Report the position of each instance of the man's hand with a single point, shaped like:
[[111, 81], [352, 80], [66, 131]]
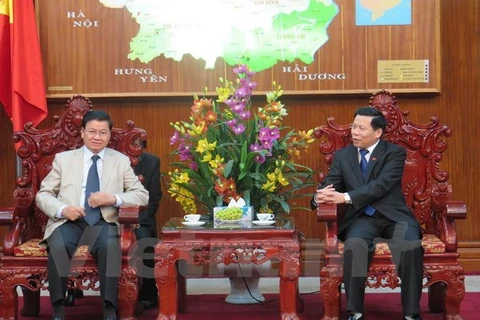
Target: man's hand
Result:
[[329, 195], [100, 199], [73, 213]]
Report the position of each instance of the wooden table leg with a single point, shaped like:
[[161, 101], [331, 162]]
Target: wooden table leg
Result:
[[182, 292], [289, 273], [166, 279]]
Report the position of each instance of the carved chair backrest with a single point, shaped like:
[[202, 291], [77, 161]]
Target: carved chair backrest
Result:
[[424, 184], [37, 151]]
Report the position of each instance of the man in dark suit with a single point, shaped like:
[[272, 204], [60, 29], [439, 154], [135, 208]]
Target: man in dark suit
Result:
[[81, 195], [367, 177], [148, 169]]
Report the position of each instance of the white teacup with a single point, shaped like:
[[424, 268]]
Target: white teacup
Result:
[[265, 216], [191, 217]]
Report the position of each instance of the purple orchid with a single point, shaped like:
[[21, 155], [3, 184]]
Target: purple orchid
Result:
[[241, 92], [274, 133], [244, 115], [259, 159], [239, 129], [174, 138], [255, 147], [238, 107], [240, 69]]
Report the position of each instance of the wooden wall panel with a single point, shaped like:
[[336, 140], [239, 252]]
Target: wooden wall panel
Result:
[[458, 106], [7, 161]]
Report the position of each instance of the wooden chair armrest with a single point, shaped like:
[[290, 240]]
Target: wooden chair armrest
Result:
[[12, 236], [456, 209], [449, 211], [129, 214], [128, 219], [328, 213], [6, 216]]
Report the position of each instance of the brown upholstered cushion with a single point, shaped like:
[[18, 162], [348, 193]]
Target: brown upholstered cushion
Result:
[[32, 248], [430, 242]]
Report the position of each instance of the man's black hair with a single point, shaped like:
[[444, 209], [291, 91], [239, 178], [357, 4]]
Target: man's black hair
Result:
[[142, 143], [378, 119], [98, 115]]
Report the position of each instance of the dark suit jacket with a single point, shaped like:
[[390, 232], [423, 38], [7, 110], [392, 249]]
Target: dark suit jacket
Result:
[[149, 168], [382, 189]]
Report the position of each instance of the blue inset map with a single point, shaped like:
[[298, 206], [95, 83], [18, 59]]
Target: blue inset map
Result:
[[383, 12]]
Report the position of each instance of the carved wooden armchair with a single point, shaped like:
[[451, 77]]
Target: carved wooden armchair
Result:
[[24, 262], [428, 195]]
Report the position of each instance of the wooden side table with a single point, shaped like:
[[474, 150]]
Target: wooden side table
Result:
[[210, 245]]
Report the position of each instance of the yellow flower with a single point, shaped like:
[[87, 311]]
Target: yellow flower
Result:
[[307, 136], [282, 180], [293, 152], [196, 130], [207, 157], [224, 93], [216, 162], [271, 176], [184, 197], [269, 186], [179, 177], [203, 146]]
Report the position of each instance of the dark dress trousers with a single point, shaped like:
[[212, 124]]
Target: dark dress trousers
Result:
[[149, 168], [392, 221]]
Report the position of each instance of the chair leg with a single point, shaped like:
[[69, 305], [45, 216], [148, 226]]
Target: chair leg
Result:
[[127, 294], [454, 289], [8, 296], [454, 294], [31, 303], [330, 282], [436, 297]]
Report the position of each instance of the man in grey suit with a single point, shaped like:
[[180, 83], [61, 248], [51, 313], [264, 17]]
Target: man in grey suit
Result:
[[367, 177], [81, 196]]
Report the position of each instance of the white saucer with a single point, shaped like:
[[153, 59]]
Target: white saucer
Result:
[[193, 224], [263, 223]]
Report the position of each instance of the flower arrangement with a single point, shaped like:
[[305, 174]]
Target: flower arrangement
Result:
[[226, 151]]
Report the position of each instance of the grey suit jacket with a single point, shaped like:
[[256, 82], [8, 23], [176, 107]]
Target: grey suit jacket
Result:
[[63, 186], [382, 188]]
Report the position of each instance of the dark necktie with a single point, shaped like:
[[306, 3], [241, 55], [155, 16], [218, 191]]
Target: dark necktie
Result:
[[369, 210], [93, 185]]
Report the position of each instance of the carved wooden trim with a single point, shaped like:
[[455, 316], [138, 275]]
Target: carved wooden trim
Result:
[[8, 295], [127, 293]]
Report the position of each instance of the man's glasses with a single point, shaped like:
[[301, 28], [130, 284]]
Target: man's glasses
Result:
[[93, 133]]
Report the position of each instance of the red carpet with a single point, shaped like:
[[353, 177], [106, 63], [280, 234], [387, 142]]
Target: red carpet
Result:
[[203, 307]]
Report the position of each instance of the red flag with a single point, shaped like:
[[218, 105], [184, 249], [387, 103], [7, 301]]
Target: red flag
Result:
[[22, 86]]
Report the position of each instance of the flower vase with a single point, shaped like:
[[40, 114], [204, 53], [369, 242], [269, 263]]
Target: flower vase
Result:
[[244, 279]]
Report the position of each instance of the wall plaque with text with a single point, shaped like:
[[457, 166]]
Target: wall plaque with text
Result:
[[403, 71]]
